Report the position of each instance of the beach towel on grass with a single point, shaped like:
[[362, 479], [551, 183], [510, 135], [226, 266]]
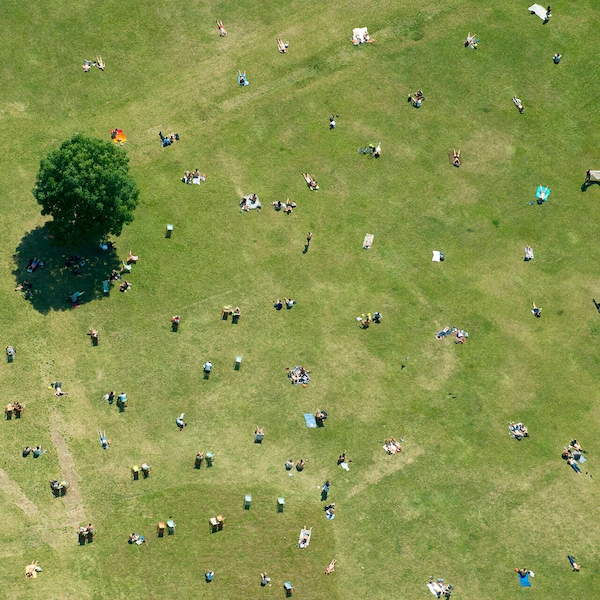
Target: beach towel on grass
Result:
[[432, 589], [304, 533], [437, 256], [368, 241], [582, 459], [524, 580], [311, 422], [540, 11]]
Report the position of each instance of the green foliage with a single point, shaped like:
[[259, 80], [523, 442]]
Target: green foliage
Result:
[[86, 187]]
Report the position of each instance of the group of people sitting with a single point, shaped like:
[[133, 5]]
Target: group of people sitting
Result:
[[439, 588], [573, 454], [15, 407], [287, 206], [366, 320], [36, 452], [528, 254], [289, 464], [518, 430], [196, 177], [310, 181], [459, 334], [250, 202], [59, 487], [392, 446], [416, 99], [135, 538], [278, 304], [88, 64], [282, 46], [169, 139], [298, 375]]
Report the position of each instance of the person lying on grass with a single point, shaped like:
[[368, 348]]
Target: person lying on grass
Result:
[[281, 46], [222, 30], [456, 158], [310, 181]]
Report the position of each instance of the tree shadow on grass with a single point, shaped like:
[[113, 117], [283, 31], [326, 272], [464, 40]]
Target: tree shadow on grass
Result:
[[56, 280]]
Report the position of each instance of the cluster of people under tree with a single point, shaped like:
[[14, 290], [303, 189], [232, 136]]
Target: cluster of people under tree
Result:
[[298, 375], [518, 430], [573, 454], [416, 99], [287, 206], [195, 176], [278, 304], [366, 320], [168, 140], [88, 64]]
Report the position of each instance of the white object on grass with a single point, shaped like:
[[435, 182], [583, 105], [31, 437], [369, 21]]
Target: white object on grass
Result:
[[540, 11]]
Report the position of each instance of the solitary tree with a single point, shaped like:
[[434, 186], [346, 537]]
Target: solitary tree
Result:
[[86, 187]]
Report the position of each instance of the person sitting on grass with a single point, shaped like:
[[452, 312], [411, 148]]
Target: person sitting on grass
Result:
[[556, 58], [278, 205], [289, 464], [37, 452], [187, 177], [289, 303], [209, 575], [300, 464], [281, 46], [310, 181], [456, 158], [222, 30], [94, 336], [518, 104], [416, 99], [264, 580], [26, 451], [537, 312], [320, 417], [277, 304], [518, 431], [377, 316], [198, 177], [125, 286], [575, 445], [289, 206]]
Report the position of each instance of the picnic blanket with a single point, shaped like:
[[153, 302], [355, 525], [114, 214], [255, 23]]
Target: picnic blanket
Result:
[[540, 11], [304, 533], [434, 588], [437, 256], [311, 422], [542, 193], [360, 35], [524, 580], [368, 240]]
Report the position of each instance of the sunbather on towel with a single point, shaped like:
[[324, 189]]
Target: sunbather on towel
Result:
[[281, 46], [469, 40], [100, 63], [528, 253], [222, 30], [310, 181], [456, 158]]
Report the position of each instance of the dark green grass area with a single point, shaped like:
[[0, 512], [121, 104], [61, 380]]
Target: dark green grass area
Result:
[[463, 501]]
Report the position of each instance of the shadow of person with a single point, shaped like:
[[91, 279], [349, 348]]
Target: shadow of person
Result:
[[64, 271]]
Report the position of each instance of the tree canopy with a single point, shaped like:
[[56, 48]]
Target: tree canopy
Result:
[[86, 187]]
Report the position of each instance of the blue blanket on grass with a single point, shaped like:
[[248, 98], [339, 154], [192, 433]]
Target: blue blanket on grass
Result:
[[311, 422]]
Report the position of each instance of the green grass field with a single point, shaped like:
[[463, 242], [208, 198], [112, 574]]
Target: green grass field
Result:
[[463, 501]]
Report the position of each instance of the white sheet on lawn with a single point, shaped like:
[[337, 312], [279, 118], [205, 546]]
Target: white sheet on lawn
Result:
[[432, 589], [540, 11], [595, 175], [436, 256], [358, 33]]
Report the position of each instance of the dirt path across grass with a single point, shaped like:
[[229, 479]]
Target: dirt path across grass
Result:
[[73, 499], [16, 494]]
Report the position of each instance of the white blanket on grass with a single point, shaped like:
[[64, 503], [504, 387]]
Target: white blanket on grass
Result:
[[359, 34], [595, 175], [540, 11]]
